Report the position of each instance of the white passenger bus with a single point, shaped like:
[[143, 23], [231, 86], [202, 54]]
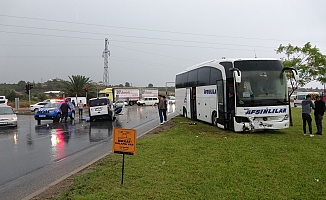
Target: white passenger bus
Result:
[[259, 87]]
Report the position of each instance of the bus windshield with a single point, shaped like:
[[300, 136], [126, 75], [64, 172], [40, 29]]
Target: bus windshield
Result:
[[262, 84]]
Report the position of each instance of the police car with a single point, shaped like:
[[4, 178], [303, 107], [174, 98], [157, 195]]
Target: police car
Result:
[[51, 111]]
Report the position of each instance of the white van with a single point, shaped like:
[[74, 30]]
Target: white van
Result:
[[145, 101], [300, 96], [3, 100], [101, 108]]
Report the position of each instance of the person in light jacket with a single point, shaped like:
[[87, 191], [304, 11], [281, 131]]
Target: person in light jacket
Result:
[[307, 104]]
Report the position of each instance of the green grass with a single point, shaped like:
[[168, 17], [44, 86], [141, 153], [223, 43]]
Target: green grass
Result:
[[218, 164]]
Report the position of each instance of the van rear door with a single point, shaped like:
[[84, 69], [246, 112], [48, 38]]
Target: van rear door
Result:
[[98, 107]]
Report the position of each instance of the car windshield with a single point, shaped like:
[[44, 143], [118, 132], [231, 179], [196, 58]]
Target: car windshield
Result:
[[98, 102], [51, 105], [6, 111]]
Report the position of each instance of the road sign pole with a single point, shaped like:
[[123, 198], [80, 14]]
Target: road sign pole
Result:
[[86, 100], [29, 97], [123, 167]]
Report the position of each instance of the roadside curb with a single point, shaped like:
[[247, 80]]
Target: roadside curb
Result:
[[40, 191]]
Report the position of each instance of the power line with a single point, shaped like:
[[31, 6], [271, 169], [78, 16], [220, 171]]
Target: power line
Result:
[[47, 45], [150, 30], [144, 62], [129, 36], [113, 58], [153, 53], [161, 44], [49, 56], [59, 36]]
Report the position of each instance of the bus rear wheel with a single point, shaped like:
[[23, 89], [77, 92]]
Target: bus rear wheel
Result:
[[214, 118]]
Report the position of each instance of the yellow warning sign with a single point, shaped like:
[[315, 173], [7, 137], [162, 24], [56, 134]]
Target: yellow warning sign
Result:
[[124, 141]]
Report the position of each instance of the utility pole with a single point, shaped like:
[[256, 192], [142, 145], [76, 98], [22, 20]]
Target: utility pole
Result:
[[105, 55], [29, 96]]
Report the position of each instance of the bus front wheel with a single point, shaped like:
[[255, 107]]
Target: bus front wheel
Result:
[[184, 112]]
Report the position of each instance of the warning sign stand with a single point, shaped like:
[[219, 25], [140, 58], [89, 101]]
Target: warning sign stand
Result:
[[124, 142]]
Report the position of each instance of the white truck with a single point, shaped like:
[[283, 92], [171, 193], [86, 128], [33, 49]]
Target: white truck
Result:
[[3, 100], [130, 95], [149, 92]]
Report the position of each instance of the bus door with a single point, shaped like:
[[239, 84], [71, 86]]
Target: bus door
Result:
[[193, 108], [221, 103]]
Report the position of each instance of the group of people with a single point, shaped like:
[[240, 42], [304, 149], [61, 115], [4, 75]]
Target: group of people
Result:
[[319, 107], [80, 106], [65, 109], [162, 108]]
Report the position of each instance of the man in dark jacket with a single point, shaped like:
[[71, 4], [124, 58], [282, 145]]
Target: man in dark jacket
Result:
[[160, 107], [165, 107], [64, 109], [319, 113]]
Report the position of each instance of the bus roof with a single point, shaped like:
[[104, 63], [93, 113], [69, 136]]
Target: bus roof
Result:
[[303, 93], [215, 61]]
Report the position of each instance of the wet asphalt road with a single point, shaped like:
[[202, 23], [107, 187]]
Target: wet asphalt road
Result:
[[32, 156]]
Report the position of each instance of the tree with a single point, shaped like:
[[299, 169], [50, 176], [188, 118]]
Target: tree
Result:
[[150, 85], [120, 85], [41, 96], [11, 95], [127, 84], [309, 63], [21, 85], [307, 60], [76, 85]]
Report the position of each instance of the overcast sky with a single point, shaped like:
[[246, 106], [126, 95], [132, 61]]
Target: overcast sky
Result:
[[150, 41]]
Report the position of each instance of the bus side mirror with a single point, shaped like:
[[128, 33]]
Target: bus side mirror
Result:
[[236, 74], [294, 72], [296, 76]]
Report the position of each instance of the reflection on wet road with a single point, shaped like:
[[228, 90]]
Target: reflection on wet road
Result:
[[31, 150]]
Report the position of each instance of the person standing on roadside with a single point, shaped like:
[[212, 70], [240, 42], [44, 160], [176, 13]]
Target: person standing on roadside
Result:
[[160, 107], [73, 103], [165, 105], [80, 108], [319, 113], [64, 110], [307, 104]]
